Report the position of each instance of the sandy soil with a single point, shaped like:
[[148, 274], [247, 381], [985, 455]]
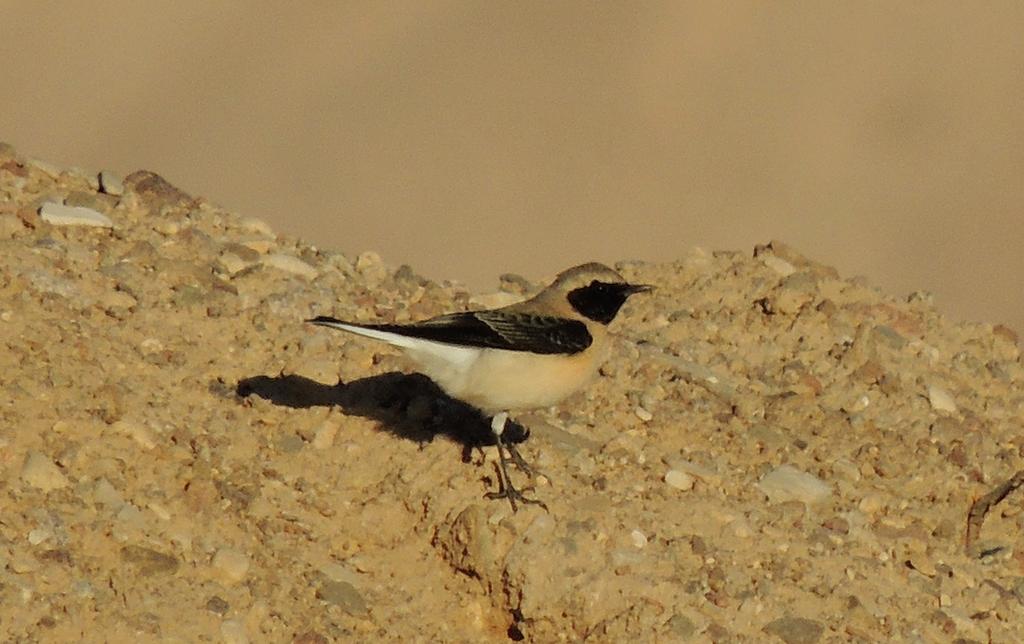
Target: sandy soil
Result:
[[773, 452]]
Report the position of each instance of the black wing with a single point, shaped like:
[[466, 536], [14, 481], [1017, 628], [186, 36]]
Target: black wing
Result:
[[499, 330]]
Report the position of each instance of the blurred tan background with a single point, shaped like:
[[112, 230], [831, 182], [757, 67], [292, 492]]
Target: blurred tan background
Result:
[[470, 139]]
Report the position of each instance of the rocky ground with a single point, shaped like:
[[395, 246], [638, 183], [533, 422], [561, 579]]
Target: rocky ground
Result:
[[773, 451]]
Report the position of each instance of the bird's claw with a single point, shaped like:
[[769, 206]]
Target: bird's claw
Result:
[[513, 495]]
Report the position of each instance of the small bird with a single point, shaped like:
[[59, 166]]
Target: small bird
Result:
[[524, 356]]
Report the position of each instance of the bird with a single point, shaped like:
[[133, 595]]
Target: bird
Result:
[[528, 355]]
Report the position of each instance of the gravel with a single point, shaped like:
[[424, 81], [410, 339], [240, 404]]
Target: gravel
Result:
[[772, 451]]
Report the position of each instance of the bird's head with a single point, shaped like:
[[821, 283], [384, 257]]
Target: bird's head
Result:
[[595, 291]]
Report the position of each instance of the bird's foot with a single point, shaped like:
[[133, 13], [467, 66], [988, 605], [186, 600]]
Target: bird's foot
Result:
[[513, 495], [506, 489]]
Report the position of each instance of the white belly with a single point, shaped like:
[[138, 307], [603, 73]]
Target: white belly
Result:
[[496, 380]]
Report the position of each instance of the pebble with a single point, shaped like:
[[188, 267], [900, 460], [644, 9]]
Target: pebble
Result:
[[290, 444], [116, 300], [679, 480], [141, 434], [779, 265], [130, 519], [921, 562], [159, 510], [37, 536], [371, 266], [90, 200], [40, 472], [233, 632], [337, 572], [167, 227], [786, 483], [290, 264], [343, 595], [218, 605], [111, 183], [643, 414], [230, 565], [698, 472], [256, 226], [23, 562], [261, 246], [740, 528], [681, 626], [232, 263], [46, 167], [148, 561], [795, 630], [638, 539], [872, 503], [941, 400], [104, 493], [323, 438], [622, 558], [60, 215]]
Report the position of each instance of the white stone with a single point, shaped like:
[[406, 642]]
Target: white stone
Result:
[[233, 632], [941, 400], [290, 264], [160, 511], [873, 503], [643, 414], [230, 565], [786, 483], [371, 266], [111, 183], [150, 346], [167, 227], [323, 438], [368, 260], [141, 434], [261, 246], [679, 480], [61, 215], [698, 472], [232, 263], [740, 528], [779, 265], [256, 226], [638, 539], [45, 166], [39, 471], [131, 518], [106, 494]]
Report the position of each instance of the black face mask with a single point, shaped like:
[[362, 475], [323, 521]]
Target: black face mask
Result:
[[601, 301]]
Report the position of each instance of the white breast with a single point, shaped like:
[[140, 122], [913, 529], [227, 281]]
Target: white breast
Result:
[[497, 380]]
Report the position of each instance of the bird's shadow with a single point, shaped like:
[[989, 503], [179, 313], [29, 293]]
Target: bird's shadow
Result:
[[409, 406]]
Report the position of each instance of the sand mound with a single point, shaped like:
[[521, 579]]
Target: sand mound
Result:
[[773, 450]]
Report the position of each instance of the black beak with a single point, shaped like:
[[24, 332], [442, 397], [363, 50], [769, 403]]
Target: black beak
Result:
[[638, 288]]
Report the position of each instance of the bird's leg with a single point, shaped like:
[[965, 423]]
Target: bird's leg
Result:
[[507, 490], [520, 462]]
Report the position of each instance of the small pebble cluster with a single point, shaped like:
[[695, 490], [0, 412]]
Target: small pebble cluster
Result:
[[773, 452]]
